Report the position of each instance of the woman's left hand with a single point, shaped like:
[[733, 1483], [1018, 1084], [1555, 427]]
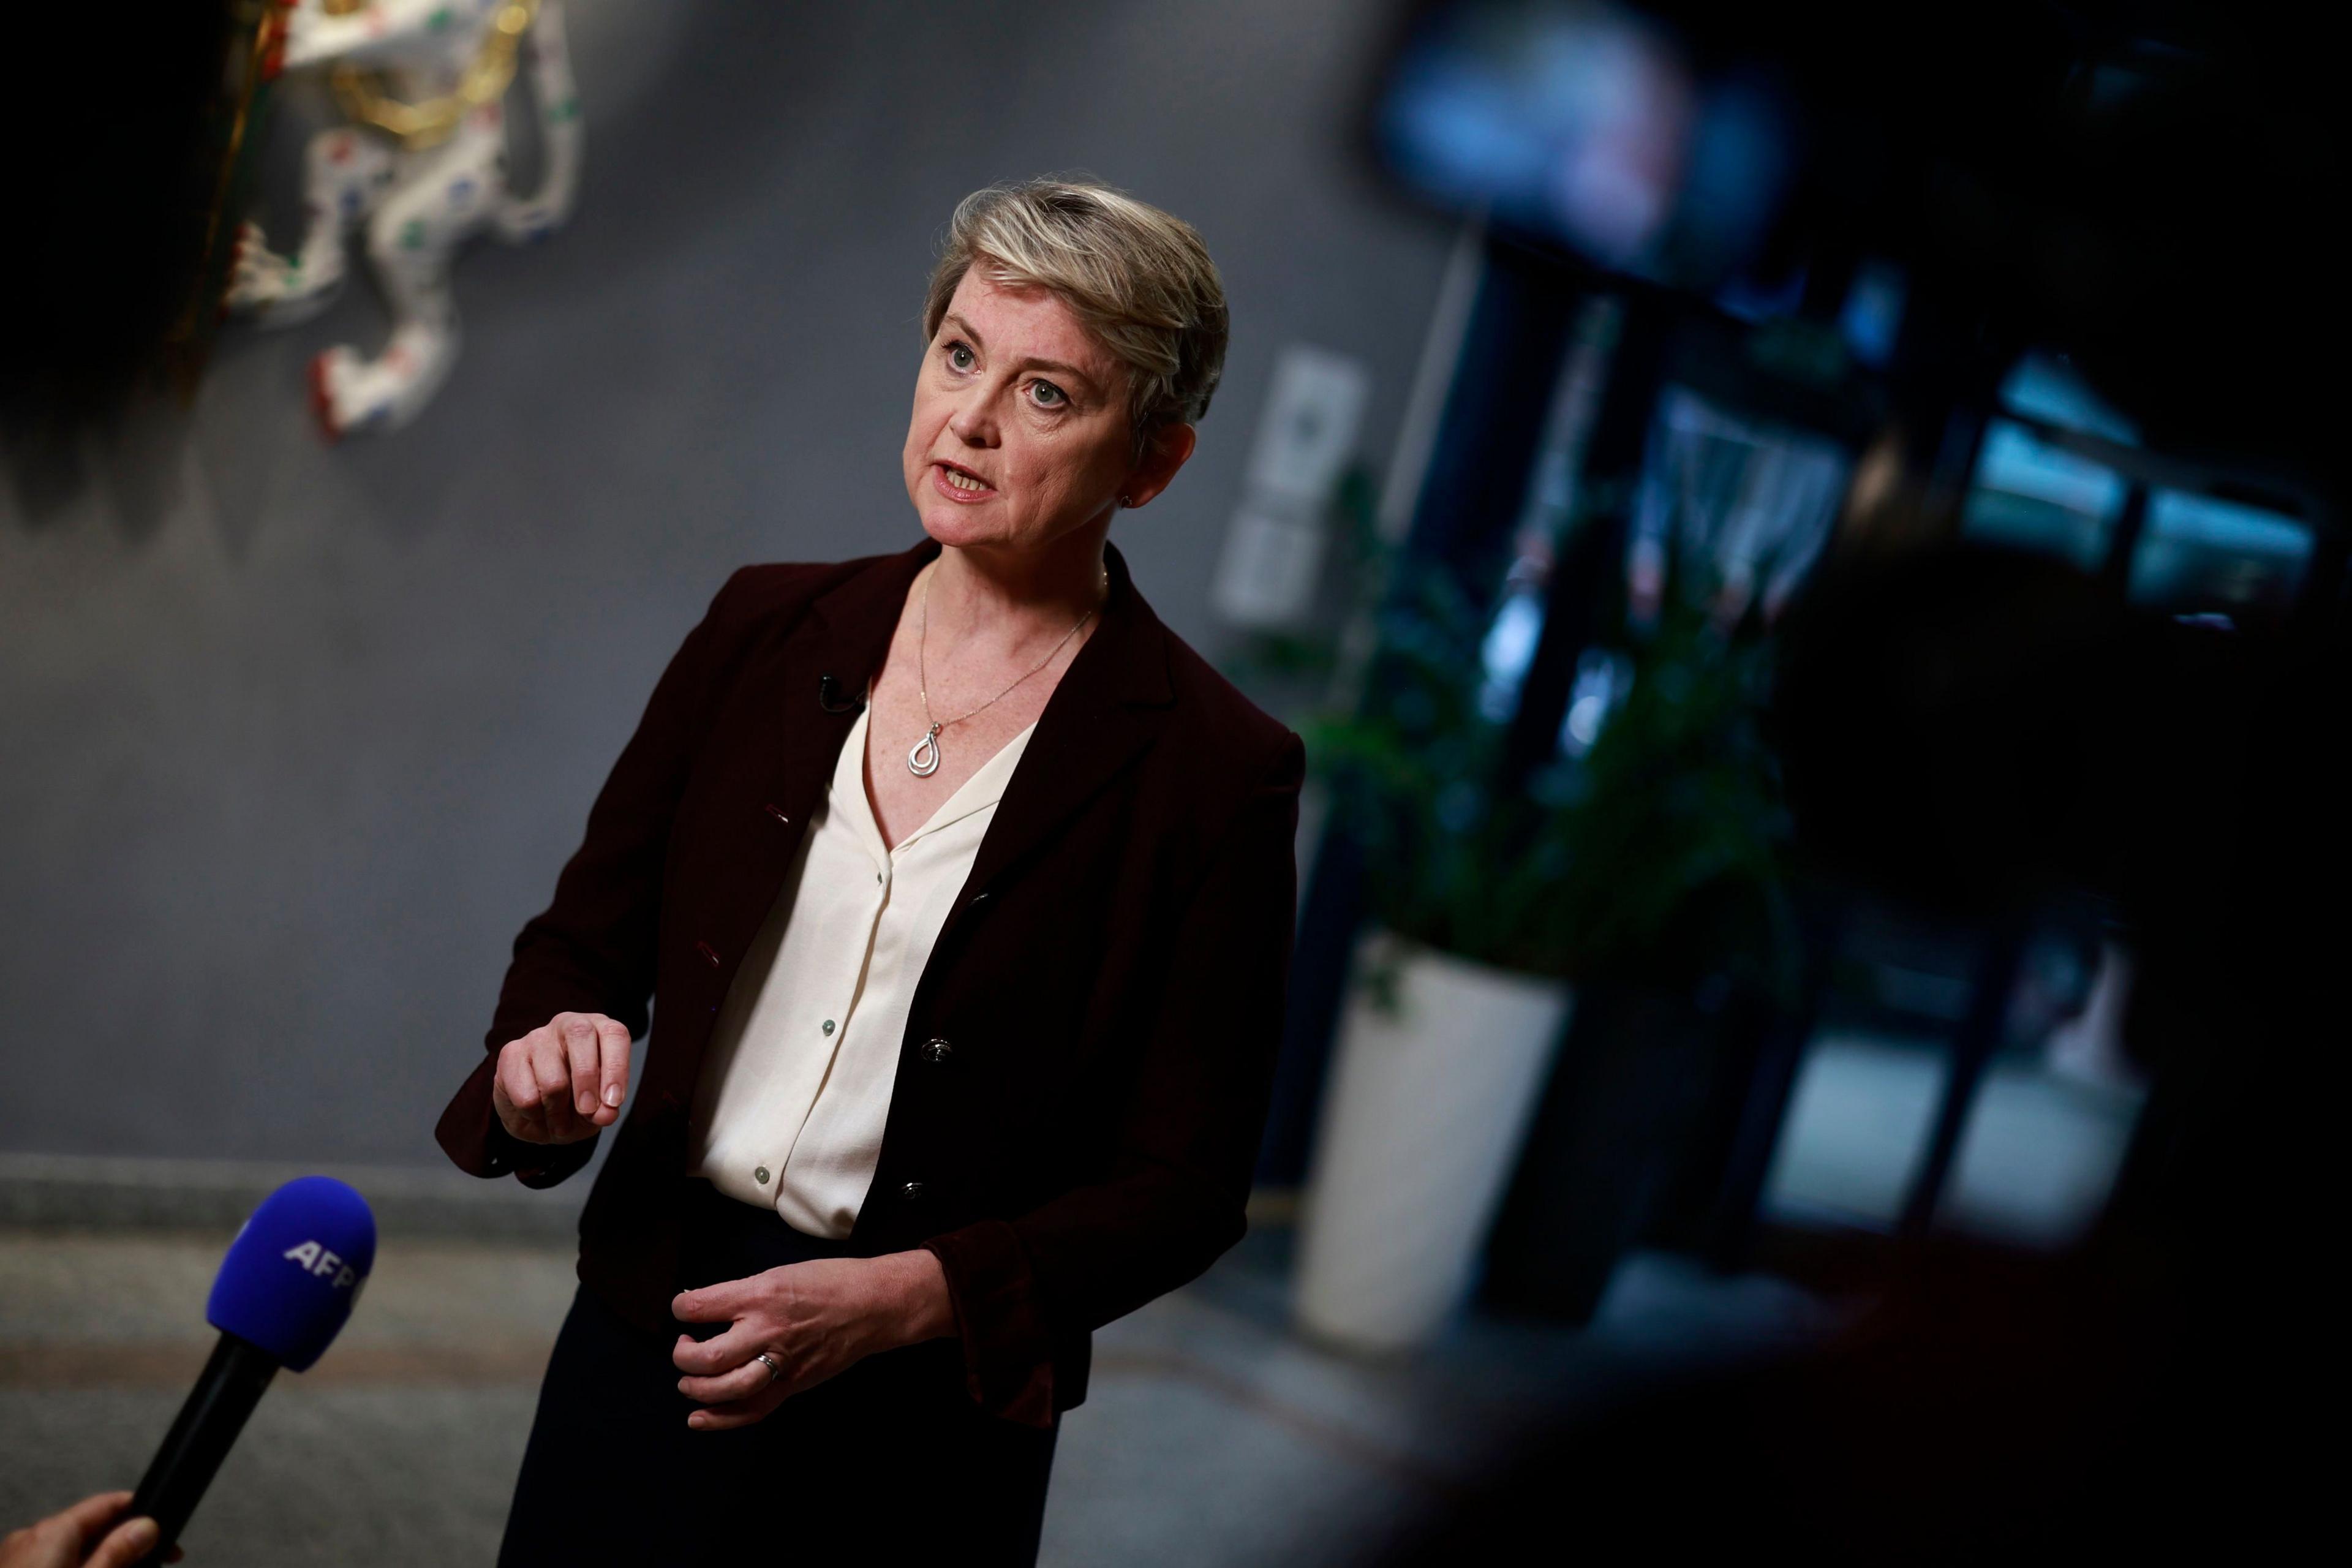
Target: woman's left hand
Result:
[[814, 1319]]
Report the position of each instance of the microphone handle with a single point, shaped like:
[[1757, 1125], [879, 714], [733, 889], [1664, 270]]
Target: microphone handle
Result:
[[215, 1412]]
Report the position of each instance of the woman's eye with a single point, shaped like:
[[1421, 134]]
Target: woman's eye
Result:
[[1047, 395], [959, 356]]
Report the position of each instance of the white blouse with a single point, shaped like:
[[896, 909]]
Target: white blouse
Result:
[[796, 1083]]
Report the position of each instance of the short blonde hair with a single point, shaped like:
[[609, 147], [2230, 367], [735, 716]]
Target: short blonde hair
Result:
[[1139, 278]]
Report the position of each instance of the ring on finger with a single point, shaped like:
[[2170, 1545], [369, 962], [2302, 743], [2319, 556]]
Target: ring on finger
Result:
[[774, 1371]]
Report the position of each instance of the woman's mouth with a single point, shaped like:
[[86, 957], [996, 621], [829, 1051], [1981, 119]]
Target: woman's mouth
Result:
[[958, 484]]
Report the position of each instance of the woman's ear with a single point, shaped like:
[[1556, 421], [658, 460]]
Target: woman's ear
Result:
[[1164, 454]]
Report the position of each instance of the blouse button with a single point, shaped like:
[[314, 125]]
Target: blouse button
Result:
[[761, 1176], [828, 1026]]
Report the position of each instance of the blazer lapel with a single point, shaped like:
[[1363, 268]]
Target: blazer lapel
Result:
[[1106, 709], [826, 663]]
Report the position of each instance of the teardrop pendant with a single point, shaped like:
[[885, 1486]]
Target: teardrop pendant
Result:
[[924, 759]]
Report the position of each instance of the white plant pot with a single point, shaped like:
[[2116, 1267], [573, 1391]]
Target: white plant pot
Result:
[[1421, 1127]]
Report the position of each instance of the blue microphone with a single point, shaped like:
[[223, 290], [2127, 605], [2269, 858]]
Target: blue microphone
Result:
[[282, 1294]]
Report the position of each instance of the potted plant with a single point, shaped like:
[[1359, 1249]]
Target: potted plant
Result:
[[1459, 993], [1650, 862], [1678, 919]]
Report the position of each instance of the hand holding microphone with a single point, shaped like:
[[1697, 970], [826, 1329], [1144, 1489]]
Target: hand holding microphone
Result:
[[93, 1533], [564, 1079]]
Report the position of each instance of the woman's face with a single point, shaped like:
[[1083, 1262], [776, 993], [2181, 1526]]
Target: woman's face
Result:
[[1021, 434]]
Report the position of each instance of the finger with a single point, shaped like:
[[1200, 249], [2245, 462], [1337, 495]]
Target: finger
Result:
[[612, 1039], [87, 1518], [709, 1304], [551, 1068], [520, 1089], [581, 1051], [747, 1381], [130, 1542], [720, 1353], [741, 1412], [516, 1075]]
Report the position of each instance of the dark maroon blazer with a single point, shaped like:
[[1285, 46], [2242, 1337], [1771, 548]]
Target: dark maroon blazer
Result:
[[1086, 1062]]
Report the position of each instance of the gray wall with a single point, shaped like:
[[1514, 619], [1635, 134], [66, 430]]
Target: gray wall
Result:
[[296, 736]]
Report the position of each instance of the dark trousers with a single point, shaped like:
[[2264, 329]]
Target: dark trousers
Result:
[[890, 1460]]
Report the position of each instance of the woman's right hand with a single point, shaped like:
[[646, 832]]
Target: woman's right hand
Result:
[[564, 1079]]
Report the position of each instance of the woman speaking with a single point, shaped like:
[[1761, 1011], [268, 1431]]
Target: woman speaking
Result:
[[966, 890]]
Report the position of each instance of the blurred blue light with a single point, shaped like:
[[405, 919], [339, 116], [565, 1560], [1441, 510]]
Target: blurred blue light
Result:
[[1576, 121], [1603, 680], [1737, 172], [1510, 648], [1454, 130], [2198, 547], [2225, 525], [1872, 314], [2035, 496], [2016, 460], [1751, 301], [2042, 386]]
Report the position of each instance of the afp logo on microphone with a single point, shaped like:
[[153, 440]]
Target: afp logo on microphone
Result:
[[322, 1260], [292, 1273]]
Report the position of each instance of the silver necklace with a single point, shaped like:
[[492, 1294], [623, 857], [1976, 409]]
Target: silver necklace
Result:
[[923, 759]]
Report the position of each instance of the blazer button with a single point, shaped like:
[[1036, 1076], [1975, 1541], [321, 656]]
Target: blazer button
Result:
[[710, 953], [912, 1192], [776, 812], [937, 1052]]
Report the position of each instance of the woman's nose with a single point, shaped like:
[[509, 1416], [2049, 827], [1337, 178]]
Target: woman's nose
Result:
[[974, 422]]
